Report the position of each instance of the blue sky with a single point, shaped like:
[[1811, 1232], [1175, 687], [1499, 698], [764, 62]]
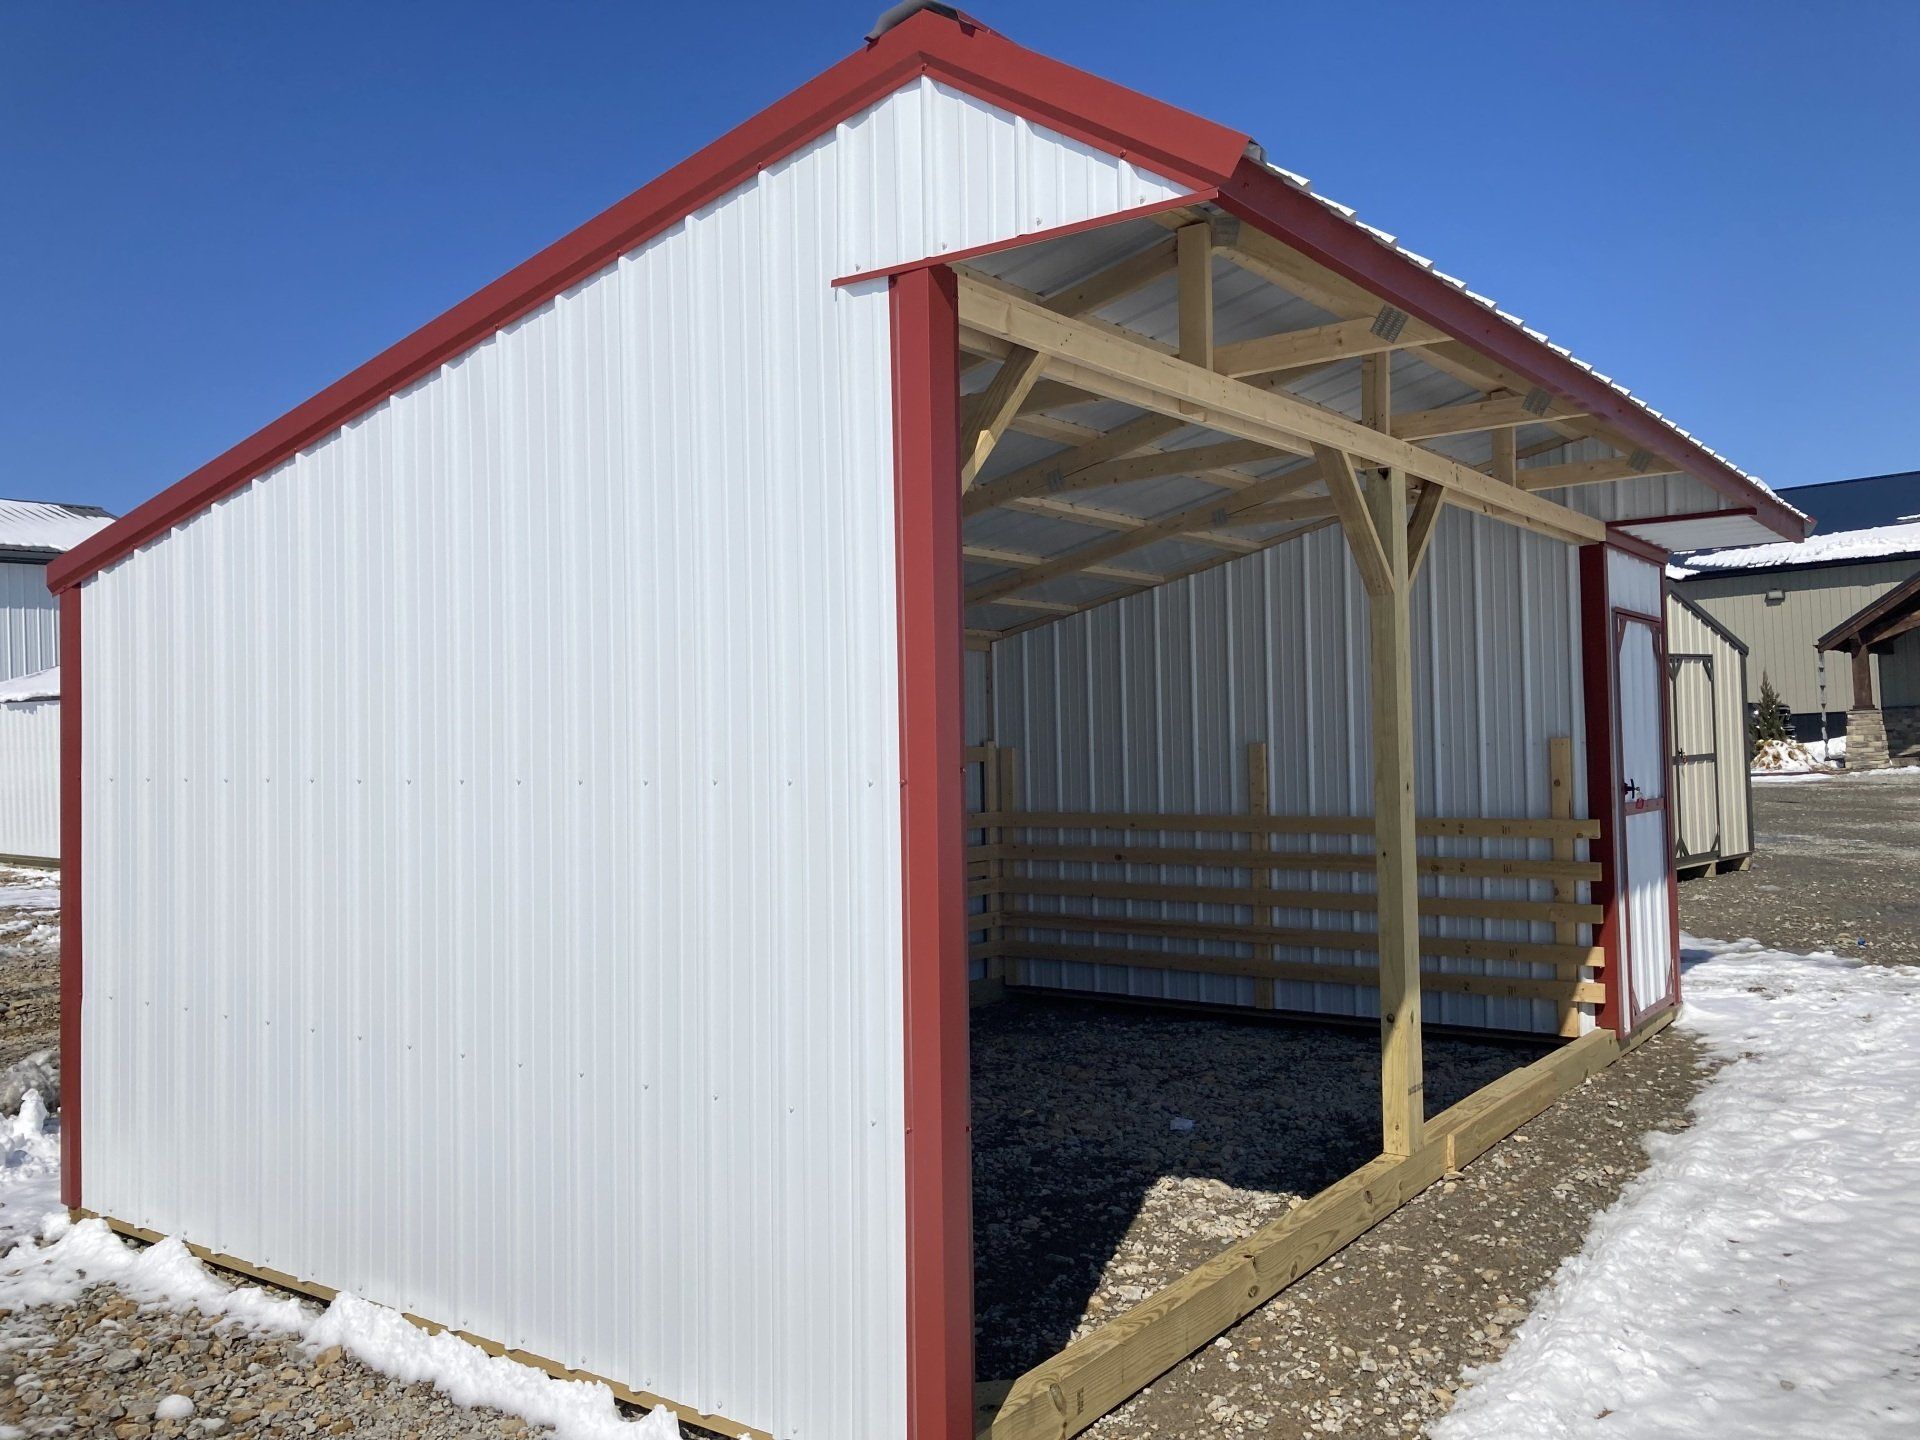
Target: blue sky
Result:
[[210, 211]]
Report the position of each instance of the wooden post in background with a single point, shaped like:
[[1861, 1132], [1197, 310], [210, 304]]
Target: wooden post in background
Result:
[[1402, 1072], [1560, 769], [994, 837], [1007, 788], [1259, 806]]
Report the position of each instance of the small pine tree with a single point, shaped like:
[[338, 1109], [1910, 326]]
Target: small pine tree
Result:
[[1770, 717]]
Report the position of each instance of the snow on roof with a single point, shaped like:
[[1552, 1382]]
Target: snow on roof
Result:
[[39, 685], [45, 525], [1347, 213], [1879, 542]]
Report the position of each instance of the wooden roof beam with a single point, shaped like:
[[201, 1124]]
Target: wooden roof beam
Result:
[[1500, 412], [1317, 346], [1106, 360]]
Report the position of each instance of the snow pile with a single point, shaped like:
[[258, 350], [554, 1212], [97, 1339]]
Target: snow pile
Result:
[[1761, 1277], [74, 1257], [1877, 542], [29, 1169], [1785, 757]]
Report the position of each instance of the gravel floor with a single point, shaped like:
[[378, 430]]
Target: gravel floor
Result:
[[29, 963], [1371, 1344], [1115, 1148]]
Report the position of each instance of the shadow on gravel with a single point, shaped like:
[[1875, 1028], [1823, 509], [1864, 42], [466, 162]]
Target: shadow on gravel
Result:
[[1115, 1148]]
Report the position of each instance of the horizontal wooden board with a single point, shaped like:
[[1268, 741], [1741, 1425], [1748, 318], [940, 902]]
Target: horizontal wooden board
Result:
[[1471, 907], [1520, 828], [1495, 868]]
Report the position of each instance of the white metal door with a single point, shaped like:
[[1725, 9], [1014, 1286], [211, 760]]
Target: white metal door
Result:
[[1649, 962]]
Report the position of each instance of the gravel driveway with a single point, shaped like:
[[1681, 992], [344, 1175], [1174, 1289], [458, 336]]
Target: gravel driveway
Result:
[[1371, 1344]]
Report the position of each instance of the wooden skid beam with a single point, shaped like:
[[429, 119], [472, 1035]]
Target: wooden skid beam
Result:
[[1111, 361], [1066, 1394]]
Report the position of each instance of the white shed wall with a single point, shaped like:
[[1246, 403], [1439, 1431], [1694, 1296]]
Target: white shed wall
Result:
[[29, 620], [30, 780], [492, 815], [1148, 704]]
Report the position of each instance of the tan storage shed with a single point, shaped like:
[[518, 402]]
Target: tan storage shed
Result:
[[1712, 771]]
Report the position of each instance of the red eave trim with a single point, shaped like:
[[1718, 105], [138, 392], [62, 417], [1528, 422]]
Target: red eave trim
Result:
[[1258, 196], [1172, 142], [1637, 545], [1032, 237]]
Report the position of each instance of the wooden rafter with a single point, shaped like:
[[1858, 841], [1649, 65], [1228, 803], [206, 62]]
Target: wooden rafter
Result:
[[1104, 358], [1184, 522], [1350, 504], [1499, 412], [1180, 574], [1319, 345], [1021, 559], [1585, 472], [1115, 282], [1279, 264]]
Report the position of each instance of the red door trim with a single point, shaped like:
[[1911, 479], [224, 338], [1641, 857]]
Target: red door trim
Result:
[[72, 977], [1596, 667], [939, 1140]]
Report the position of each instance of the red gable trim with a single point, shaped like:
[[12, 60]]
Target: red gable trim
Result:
[[1178, 145], [1290, 214]]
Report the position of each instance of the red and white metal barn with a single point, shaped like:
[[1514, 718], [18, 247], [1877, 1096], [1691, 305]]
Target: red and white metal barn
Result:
[[517, 805]]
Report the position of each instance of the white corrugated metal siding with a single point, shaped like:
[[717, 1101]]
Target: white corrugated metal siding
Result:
[[1148, 704], [492, 815], [1713, 801], [29, 621], [30, 779]]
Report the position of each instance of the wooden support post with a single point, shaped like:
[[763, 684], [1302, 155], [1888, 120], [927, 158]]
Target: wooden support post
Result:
[[1862, 677], [1402, 1080], [1506, 455], [1259, 805], [1006, 786], [1376, 392], [994, 837], [1560, 771], [1195, 259]]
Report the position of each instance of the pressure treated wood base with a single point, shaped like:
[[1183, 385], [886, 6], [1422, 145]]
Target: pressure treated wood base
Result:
[[1064, 1395], [279, 1280]]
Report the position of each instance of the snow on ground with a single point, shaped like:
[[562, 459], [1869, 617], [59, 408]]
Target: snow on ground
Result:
[[66, 1259], [1797, 777], [1762, 1276]]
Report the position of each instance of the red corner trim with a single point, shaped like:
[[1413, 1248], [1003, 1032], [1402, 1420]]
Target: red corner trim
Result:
[[939, 1144], [1179, 145], [1288, 213], [72, 979], [1596, 663]]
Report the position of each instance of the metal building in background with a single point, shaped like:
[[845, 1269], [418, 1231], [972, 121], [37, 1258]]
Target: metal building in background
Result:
[[33, 533], [1712, 745], [523, 794]]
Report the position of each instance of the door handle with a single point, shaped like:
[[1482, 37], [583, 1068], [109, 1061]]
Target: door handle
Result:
[[1631, 790]]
